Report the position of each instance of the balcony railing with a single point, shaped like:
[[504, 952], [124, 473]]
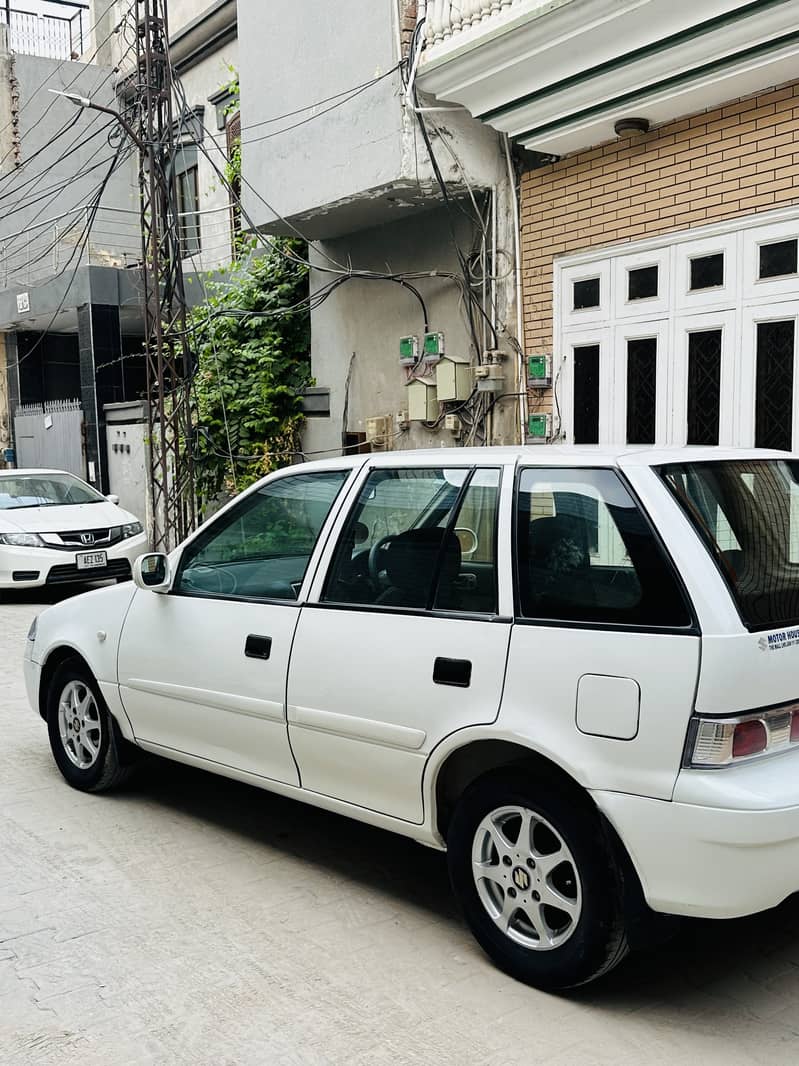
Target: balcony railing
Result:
[[445, 19], [57, 33]]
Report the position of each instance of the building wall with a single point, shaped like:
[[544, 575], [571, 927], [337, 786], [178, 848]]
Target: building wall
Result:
[[48, 185], [734, 160], [356, 331], [201, 82]]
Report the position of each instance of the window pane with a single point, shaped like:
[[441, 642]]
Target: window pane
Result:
[[746, 513], [774, 387], [641, 378], [586, 394], [707, 271], [586, 294], [704, 386], [642, 283], [625, 580], [777, 259], [261, 548], [474, 590], [189, 206], [396, 540]]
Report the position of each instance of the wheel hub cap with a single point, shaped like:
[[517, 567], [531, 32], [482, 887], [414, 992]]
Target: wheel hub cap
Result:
[[79, 724], [526, 878]]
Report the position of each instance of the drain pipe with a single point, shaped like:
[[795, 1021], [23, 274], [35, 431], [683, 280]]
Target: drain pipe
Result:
[[517, 246]]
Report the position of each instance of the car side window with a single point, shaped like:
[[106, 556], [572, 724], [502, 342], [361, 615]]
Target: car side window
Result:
[[421, 539], [261, 548], [586, 553]]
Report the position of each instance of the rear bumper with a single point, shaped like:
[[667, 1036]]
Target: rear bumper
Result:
[[25, 568], [706, 861]]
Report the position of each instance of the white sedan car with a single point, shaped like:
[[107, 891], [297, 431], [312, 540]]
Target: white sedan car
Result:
[[576, 670], [54, 529]]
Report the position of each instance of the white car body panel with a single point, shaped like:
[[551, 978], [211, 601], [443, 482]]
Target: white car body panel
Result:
[[349, 691]]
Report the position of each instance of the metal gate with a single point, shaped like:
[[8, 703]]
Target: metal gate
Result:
[[50, 436]]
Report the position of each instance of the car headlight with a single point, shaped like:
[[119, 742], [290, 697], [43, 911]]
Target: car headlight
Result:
[[33, 628], [22, 540], [132, 529]]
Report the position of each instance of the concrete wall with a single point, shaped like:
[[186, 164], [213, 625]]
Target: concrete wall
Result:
[[48, 185], [293, 53], [366, 319]]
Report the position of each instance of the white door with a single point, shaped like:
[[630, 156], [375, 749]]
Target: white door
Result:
[[408, 637], [604, 656], [203, 669]]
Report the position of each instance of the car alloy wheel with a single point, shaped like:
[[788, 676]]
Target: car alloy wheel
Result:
[[80, 724], [526, 878]]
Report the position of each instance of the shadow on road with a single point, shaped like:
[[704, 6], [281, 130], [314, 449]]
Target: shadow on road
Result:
[[701, 954]]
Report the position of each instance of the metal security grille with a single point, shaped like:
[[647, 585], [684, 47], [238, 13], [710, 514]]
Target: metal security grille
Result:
[[704, 386], [642, 355], [586, 394], [774, 385]]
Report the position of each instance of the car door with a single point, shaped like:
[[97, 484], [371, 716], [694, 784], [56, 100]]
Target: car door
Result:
[[604, 657], [405, 635], [203, 669]]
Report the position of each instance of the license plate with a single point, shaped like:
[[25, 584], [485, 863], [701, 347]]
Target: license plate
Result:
[[90, 560]]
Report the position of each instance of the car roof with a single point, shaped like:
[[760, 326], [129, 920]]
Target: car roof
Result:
[[548, 455], [36, 471]]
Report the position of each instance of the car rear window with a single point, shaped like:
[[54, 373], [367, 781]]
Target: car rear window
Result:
[[747, 514]]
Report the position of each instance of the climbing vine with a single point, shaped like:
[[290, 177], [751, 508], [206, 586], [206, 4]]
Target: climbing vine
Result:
[[252, 342]]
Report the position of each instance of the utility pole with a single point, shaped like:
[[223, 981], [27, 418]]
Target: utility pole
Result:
[[168, 353]]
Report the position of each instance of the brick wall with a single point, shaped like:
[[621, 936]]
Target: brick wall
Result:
[[407, 23], [735, 160]]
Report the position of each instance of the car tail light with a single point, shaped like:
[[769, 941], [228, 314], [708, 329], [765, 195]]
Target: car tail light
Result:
[[714, 742]]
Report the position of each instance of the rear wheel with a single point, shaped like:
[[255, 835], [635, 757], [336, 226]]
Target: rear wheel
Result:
[[84, 737], [537, 880]]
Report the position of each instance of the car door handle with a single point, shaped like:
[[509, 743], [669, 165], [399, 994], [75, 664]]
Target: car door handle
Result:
[[457, 672], [257, 647]]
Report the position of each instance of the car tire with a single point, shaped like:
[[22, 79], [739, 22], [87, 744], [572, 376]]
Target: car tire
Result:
[[84, 736], [536, 878]]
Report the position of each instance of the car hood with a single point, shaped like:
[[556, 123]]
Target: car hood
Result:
[[63, 519]]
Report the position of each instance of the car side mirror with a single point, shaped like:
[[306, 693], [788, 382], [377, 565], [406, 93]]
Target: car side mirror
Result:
[[152, 572], [112, 498]]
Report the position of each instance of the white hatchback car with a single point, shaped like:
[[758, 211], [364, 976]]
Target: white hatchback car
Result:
[[576, 670], [55, 528]]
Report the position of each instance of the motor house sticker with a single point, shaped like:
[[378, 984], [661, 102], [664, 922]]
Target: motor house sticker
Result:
[[786, 638]]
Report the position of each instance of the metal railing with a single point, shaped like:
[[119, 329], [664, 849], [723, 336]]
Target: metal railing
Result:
[[58, 245], [445, 19], [51, 35]]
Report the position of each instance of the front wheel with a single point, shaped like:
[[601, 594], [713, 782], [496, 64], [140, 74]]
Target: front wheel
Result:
[[83, 735], [536, 880]]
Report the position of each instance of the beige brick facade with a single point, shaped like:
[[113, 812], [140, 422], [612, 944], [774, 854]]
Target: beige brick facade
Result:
[[738, 159]]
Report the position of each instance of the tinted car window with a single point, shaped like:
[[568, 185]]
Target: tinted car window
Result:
[[420, 539], [586, 553], [261, 548], [747, 513]]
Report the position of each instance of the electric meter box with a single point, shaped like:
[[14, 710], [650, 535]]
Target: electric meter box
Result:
[[453, 380], [433, 347], [539, 371], [422, 402], [408, 351], [538, 427]]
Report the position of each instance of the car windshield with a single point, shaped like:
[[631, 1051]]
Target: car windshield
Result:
[[747, 513], [44, 490]]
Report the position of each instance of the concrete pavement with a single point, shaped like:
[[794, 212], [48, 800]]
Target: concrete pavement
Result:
[[192, 920]]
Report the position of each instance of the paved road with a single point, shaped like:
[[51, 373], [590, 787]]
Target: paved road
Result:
[[192, 920]]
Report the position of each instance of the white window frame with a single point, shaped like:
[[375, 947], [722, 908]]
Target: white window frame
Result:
[[735, 307]]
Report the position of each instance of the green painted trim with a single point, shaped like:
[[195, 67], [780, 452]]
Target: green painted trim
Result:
[[667, 83], [632, 57]]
